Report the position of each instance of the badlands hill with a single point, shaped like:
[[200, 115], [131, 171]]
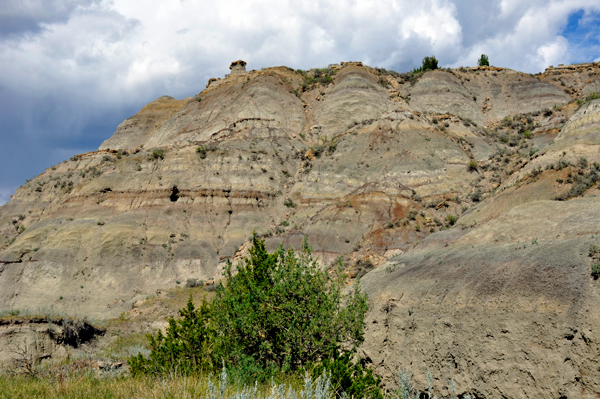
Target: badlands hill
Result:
[[466, 199]]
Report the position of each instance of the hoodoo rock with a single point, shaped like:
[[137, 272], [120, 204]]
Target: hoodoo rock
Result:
[[238, 67]]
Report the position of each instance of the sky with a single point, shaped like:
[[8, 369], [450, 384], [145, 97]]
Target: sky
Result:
[[72, 70]]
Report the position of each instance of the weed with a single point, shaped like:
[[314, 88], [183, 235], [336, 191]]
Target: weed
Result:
[[289, 203], [595, 270], [476, 196], [157, 154]]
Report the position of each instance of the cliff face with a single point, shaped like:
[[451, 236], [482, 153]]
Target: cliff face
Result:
[[370, 166], [505, 304]]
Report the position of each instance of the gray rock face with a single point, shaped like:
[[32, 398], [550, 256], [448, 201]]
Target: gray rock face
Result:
[[136, 130], [484, 95], [506, 304], [507, 310]]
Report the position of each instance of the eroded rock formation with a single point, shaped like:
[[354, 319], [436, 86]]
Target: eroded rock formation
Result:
[[373, 166]]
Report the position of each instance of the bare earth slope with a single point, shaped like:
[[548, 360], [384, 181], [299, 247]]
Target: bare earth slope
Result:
[[505, 304], [371, 165]]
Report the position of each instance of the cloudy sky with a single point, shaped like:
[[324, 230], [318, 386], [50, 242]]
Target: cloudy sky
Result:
[[72, 70]]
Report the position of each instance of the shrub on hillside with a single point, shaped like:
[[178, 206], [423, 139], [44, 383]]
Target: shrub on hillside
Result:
[[353, 379], [451, 219], [596, 270], [429, 64], [201, 151], [157, 154], [186, 347], [483, 60], [276, 312], [281, 310]]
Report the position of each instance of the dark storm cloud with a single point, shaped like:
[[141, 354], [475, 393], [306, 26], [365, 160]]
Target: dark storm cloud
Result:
[[30, 16]]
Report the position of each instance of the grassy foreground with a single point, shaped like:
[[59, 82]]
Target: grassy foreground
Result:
[[89, 385], [79, 380]]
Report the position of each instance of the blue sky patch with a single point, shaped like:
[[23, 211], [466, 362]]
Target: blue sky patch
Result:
[[583, 33]]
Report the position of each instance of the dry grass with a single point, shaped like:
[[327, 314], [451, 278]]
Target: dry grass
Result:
[[87, 385], [72, 381]]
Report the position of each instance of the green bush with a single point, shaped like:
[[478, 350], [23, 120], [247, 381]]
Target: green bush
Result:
[[349, 377], [472, 166], [429, 64], [483, 60], [158, 154], [282, 311], [201, 151], [278, 312], [451, 219], [185, 349], [289, 203]]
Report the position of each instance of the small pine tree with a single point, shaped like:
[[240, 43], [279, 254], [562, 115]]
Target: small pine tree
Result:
[[483, 60], [186, 348], [429, 64]]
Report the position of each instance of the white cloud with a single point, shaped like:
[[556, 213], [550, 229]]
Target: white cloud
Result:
[[553, 53]]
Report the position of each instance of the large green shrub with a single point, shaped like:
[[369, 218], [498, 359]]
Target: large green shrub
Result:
[[281, 310], [275, 312]]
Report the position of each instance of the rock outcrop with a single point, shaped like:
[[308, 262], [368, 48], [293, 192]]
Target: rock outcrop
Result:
[[370, 165], [27, 342], [136, 131]]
